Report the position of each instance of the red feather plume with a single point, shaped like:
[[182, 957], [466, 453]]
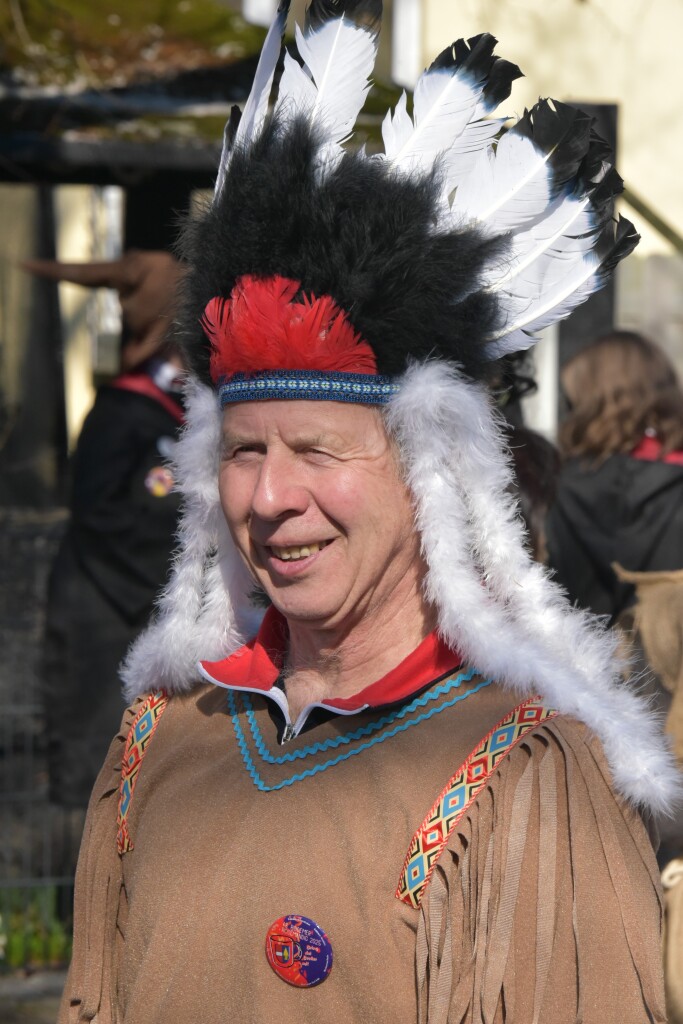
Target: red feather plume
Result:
[[260, 327]]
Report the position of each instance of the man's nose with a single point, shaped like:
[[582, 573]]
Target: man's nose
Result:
[[279, 489]]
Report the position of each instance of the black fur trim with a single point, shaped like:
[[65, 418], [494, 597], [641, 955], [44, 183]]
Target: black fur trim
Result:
[[364, 236]]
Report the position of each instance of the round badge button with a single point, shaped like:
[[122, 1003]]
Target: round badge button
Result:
[[299, 951], [159, 481]]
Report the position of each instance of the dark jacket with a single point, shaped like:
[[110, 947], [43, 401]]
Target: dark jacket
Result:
[[624, 510], [112, 562], [122, 523]]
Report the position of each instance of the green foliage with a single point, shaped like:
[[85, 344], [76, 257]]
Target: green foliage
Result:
[[57, 42], [31, 934], [79, 45]]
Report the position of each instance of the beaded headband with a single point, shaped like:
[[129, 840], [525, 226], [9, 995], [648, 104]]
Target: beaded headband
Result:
[[368, 389]]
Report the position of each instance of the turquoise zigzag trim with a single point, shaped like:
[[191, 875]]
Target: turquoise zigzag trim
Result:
[[261, 785], [366, 730]]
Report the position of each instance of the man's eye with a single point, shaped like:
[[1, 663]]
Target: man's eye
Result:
[[323, 460], [243, 451]]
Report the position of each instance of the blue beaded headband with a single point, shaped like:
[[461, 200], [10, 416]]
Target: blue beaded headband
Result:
[[365, 388]]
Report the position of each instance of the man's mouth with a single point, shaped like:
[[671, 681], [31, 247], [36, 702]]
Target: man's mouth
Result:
[[295, 552]]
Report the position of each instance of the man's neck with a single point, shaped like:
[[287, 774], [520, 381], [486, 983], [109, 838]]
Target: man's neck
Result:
[[323, 663]]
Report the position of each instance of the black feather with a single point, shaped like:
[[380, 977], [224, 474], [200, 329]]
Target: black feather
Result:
[[499, 85], [366, 13], [477, 57], [231, 126], [617, 241], [563, 132], [598, 155], [364, 236]]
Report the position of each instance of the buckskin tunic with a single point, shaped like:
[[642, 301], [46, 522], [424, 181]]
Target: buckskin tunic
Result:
[[222, 829]]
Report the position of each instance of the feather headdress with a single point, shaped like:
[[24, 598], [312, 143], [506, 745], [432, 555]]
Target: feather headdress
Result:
[[399, 276]]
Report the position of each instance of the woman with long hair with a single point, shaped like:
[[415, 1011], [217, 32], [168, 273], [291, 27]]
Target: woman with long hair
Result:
[[620, 494]]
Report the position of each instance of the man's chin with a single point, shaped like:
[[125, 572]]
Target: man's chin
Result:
[[304, 614], [305, 611]]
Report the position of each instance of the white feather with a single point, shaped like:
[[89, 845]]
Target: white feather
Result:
[[296, 92], [256, 107], [533, 308], [397, 126], [459, 161], [508, 188], [444, 102], [340, 56], [543, 262], [567, 231], [516, 341], [331, 87]]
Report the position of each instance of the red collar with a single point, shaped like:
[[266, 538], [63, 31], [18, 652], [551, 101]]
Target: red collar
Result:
[[649, 449], [142, 384], [257, 665]]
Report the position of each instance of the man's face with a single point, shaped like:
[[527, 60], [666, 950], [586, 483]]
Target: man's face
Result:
[[313, 497]]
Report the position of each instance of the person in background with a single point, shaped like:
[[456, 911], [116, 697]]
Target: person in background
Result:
[[652, 628], [147, 283], [123, 513], [616, 542], [620, 492]]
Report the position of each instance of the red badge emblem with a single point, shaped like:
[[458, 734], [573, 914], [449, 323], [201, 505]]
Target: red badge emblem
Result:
[[299, 951], [283, 950]]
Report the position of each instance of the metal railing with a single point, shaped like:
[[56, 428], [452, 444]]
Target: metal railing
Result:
[[665, 229], [38, 840]]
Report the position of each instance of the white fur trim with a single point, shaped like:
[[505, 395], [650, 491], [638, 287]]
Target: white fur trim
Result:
[[494, 603], [204, 611]]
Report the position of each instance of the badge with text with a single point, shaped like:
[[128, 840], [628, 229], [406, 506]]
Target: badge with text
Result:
[[299, 951]]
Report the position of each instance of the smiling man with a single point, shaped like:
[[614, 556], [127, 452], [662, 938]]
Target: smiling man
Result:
[[326, 525], [415, 789]]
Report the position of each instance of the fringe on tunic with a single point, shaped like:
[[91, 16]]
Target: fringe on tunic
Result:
[[545, 906]]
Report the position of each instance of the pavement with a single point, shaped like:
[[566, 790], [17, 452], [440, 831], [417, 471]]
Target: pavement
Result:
[[31, 998]]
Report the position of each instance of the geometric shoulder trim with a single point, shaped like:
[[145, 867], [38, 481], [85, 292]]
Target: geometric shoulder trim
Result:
[[429, 841], [137, 741]]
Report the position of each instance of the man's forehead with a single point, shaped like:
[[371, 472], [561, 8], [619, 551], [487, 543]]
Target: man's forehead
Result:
[[312, 421]]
